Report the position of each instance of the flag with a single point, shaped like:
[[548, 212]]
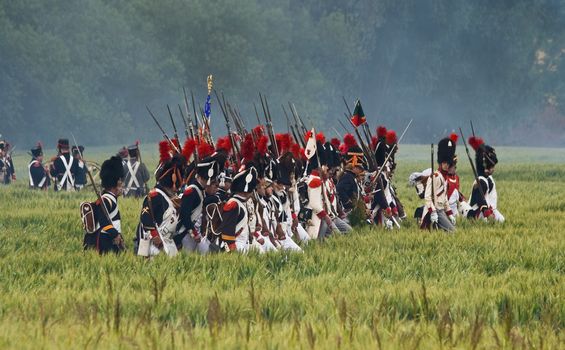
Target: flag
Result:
[[207, 107], [358, 117], [310, 150]]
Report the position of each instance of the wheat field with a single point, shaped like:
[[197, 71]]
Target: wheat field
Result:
[[485, 287]]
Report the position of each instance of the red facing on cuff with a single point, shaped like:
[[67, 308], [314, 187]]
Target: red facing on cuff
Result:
[[294, 216], [154, 233], [449, 213], [322, 214]]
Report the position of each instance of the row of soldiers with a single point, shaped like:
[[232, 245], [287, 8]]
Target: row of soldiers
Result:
[[67, 171], [7, 170], [265, 192]]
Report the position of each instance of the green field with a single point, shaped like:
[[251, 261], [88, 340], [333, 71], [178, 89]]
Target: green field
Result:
[[487, 286]]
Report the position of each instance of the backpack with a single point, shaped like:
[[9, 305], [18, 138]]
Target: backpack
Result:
[[87, 217]]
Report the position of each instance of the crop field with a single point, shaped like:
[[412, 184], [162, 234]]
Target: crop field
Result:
[[485, 287]]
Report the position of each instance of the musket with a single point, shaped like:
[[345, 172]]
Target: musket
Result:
[[98, 195], [163, 131], [270, 128], [186, 127], [173, 122], [472, 128], [296, 130], [297, 117], [289, 126], [337, 133], [390, 153], [432, 184], [193, 132], [269, 125], [238, 124], [194, 109], [477, 181], [230, 134], [257, 114], [343, 126]]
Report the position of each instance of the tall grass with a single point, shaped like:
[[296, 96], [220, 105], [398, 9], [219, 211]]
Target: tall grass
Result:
[[487, 286]]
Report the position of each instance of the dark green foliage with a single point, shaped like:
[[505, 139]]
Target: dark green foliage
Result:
[[83, 66]]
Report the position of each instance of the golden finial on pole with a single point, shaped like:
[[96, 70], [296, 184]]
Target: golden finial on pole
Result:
[[210, 84]]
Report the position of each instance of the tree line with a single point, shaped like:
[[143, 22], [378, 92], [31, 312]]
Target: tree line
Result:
[[91, 66]]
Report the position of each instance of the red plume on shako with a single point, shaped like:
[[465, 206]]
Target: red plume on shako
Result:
[[349, 141]]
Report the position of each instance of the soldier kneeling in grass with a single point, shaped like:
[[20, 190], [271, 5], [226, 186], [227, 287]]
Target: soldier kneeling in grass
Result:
[[159, 214], [437, 213]]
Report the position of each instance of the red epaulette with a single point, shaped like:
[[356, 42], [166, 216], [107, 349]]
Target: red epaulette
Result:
[[315, 182], [153, 193], [230, 205], [188, 191]]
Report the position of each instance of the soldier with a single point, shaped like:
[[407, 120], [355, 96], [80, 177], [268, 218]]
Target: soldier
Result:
[[437, 212], [7, 170], [136, 172], [234, 229], [419, 180], [80, 175], [484, 199], [349, 190], [159, 214], [64, 167], [38, 173], [213, 206], [383, 207], [108, 237], [281, 174], [319, 222], [456, 199], [264, 238], [331, 164], [190, 220]]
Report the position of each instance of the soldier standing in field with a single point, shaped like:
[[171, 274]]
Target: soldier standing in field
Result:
[[64, 167], [7, 170], [38, 173], [136, 174], [80, 175]]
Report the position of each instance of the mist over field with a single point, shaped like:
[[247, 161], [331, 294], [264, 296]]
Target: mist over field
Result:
[[90, 67]]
